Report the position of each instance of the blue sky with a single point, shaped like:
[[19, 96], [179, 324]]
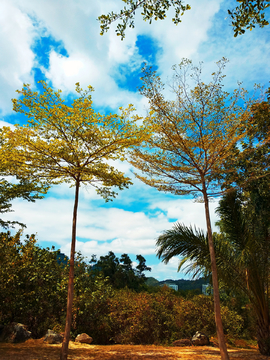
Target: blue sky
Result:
[[58, 41]]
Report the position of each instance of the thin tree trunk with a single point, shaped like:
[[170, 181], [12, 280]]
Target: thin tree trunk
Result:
[[219, 326], [64, 350]]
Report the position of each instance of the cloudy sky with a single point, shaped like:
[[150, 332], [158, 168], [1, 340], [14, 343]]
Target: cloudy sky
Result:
[[59, 41]]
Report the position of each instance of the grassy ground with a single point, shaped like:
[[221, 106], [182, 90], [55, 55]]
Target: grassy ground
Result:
[[37, 350]]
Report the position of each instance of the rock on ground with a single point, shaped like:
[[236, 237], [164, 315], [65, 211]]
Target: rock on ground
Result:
[[200, 339], [15, 333], [84, 339], [53, 338]]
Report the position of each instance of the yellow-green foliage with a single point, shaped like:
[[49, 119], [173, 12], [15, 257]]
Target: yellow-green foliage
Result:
[[32, 282], [143, 318], [69, 143]]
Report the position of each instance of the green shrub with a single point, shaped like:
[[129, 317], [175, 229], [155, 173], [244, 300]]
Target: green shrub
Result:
[[162, 317], [90, 308], [193, 315], [31, 284], [141, 318]]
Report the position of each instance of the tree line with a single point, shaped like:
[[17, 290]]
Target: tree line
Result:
[[34, 282]]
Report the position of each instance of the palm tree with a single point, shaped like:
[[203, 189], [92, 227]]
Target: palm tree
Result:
[[242, 251]]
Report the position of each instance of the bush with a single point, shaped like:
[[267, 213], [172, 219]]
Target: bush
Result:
[[162, 317], [31, 284], [194, 315], [141, 318], [197, 314], [90, 308]]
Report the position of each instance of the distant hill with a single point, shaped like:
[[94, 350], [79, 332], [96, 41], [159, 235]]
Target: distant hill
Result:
[[152, 281], [182, 283]]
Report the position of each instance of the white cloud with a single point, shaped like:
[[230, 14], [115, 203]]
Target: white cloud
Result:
[[93, 59], [184, 39], [7, 124], [188, 212], [161, 271], [64, 72], [17, 58]]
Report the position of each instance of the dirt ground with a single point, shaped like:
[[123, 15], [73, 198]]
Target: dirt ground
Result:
[[37, 350]]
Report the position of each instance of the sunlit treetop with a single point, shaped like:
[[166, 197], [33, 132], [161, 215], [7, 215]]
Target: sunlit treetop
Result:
[[192, 134], [71, 143]]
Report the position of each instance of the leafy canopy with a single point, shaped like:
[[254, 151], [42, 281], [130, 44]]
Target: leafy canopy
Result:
[[120, 272], [71, 143], [244, 16], [151, 9], [248, 14], [250, 161], [193, 134]]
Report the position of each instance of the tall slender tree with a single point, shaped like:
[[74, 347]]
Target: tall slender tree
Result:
[[73, 144], [192, 136]]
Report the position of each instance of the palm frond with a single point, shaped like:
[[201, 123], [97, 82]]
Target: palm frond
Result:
[[187, 242]]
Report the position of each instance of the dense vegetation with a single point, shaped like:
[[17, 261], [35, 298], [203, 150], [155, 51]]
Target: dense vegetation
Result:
[[33, 285]]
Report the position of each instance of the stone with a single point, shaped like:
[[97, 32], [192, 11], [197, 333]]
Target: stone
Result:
[[182, 342], [200, 339], [53, 338], [15, 333], [84, 339]]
